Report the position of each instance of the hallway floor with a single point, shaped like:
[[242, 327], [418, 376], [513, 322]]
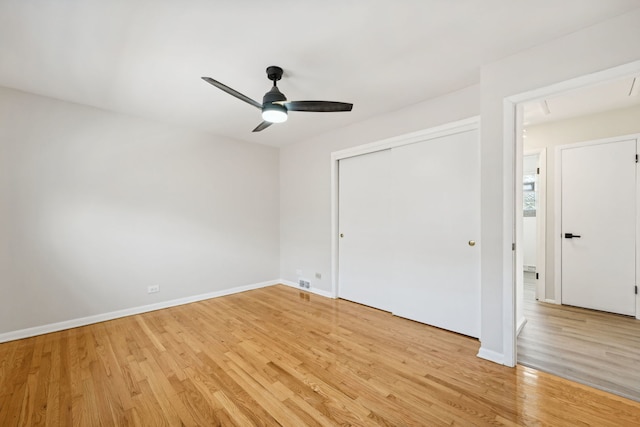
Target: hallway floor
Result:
[[591, 347]]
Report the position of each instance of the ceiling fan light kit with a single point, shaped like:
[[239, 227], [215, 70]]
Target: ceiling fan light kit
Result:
[[274, 113], [275, 106]]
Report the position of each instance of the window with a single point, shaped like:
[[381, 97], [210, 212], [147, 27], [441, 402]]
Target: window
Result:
[[529, 195]]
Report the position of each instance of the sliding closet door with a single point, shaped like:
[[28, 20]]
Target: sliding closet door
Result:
[[436, 224], [365, 249]]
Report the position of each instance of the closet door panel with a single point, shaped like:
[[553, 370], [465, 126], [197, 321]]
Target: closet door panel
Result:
[[365, 249], [436, 232]]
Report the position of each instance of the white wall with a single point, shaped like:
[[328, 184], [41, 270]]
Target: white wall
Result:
[[590, 50], [96, 206], [305, 180], [594, 126], [529, 225]]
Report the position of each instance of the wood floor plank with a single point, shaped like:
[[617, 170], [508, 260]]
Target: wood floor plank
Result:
[[278, 356], [595, 348]]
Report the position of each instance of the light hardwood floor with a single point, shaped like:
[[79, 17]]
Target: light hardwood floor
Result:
[[592, 347], [278, 356]]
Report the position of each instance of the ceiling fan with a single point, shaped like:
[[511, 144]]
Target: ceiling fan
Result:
[[275, 106]]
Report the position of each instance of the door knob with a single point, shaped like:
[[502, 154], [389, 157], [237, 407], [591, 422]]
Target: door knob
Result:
[[472, 242], [341, 235]]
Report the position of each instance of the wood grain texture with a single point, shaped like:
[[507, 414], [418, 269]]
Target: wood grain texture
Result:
[[277, 356], [592, 347]]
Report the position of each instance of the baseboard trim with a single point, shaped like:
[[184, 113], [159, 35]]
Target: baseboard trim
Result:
[[316, 291], [491, 355], [83, 321]]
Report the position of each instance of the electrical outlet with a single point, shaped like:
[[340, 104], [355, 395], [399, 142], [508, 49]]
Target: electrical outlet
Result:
[[318, 276], [298, 272], [304, 283], [153, 289]]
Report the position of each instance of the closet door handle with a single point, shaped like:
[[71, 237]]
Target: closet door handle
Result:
[[571, 236]]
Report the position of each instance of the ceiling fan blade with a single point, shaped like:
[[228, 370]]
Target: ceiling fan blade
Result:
[[262, 126], [317, 106], [232, 92]]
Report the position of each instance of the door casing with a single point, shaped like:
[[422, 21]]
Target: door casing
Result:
[[512, 180]]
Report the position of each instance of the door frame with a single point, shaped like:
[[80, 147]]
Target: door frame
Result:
[[557, 238], [513, 148], [472, 123], [541, 222]]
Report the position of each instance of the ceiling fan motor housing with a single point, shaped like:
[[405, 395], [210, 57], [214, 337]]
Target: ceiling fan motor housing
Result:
[[274, 95], [274, 73]]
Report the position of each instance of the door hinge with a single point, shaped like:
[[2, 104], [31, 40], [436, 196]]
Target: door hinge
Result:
[[538, 169], [513, 246], [636, 289], [636, 158], [537, 276]]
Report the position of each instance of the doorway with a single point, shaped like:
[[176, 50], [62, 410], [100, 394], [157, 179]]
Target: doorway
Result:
[[550, 340]]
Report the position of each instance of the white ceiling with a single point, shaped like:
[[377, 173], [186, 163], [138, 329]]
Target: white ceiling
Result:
[[146, 57]]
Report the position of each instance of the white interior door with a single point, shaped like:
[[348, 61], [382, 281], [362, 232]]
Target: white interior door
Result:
[[365, 249], [599, 210], [541, 226], [436, 210]]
